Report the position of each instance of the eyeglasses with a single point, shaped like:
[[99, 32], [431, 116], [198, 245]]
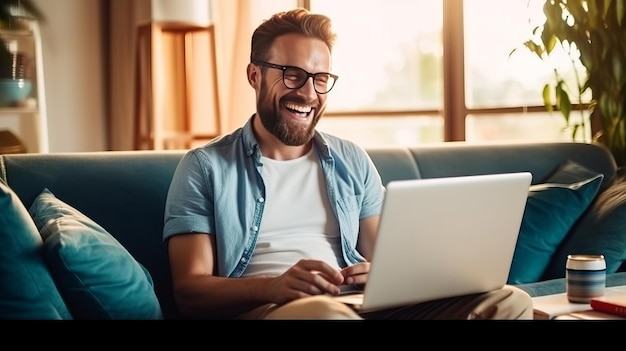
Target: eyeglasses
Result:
[[296, 77]]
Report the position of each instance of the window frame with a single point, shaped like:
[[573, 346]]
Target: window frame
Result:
[[455, 110]]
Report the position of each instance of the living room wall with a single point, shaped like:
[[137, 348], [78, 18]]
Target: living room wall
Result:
[[74, 74]]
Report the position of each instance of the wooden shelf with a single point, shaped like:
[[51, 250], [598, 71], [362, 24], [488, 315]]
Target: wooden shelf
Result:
[[18, 110], [176, 97], [29, 123]]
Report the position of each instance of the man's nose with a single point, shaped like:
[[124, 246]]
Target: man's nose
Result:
[[309, 87]]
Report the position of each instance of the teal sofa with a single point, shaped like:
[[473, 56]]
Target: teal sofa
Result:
[[93, 249]]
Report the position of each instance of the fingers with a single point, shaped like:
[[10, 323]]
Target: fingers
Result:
[[313, 277], [316, 277], [321, 268], [356, 274]]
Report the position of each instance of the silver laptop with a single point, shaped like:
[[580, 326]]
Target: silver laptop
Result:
[[443, 237]]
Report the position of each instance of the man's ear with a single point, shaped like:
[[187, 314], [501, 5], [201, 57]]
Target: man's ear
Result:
[[254, 76]]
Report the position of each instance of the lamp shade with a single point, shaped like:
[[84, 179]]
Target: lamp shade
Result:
[[194, 12]]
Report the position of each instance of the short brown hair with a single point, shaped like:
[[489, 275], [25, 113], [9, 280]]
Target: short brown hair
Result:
[[298, 21]]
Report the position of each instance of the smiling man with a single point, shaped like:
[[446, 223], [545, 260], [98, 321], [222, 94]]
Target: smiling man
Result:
[[273, 219]]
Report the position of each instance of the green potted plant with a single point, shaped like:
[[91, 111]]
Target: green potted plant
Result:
[[593, 32]]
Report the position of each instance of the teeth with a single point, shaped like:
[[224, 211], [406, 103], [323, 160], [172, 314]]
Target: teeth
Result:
[[303, 109]]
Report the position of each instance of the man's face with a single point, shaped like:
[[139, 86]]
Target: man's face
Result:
[[292, 114]]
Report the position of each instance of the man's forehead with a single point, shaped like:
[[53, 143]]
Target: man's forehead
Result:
[[297, 49]]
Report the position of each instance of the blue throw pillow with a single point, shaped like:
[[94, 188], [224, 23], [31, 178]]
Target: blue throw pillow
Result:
[[570, 172], [27, 290], [601, 230], [97, 276], [551, 211]]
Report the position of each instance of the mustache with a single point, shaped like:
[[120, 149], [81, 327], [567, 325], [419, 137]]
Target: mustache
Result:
[[315, 104]]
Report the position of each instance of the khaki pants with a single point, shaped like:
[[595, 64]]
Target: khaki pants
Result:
[[506, 303]]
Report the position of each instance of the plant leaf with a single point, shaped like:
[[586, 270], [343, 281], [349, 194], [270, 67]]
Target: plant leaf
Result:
[[547, 99], [563, 102]]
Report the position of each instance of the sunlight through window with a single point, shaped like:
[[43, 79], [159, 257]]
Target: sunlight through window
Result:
[[389, 57]]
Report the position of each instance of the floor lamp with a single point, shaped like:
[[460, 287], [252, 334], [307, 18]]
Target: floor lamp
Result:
[[176, 95]]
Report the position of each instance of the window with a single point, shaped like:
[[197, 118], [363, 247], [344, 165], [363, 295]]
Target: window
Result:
[[415, 72]]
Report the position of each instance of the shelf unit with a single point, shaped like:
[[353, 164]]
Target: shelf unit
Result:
[[30, 122], [176, 96]]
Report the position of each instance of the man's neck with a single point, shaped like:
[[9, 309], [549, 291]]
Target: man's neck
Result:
[[273, 148]]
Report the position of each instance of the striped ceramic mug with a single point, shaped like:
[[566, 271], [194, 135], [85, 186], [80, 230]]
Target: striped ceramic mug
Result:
[[585, 277]]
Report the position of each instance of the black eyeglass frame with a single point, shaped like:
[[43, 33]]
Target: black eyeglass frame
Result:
[[308, 75]]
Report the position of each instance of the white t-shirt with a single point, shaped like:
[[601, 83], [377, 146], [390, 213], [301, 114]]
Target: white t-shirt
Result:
[[297, 221]]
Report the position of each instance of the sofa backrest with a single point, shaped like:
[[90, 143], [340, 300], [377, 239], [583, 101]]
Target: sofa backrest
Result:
[[125, 191], [462, 158]]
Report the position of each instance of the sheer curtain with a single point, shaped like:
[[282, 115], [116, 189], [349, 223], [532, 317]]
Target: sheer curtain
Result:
[[234, 24]]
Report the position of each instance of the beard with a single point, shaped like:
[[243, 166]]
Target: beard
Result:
[[289, 132]]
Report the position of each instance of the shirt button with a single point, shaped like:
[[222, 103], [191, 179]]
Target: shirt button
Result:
[[255, 228], [261, 199]]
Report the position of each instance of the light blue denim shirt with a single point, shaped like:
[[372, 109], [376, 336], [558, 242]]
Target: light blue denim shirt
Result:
[[218, 188]]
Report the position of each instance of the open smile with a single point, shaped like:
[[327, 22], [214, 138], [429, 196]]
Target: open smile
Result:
[[300, 111]]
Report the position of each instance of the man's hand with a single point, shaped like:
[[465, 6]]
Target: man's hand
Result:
[[356, 274], [305, 278]]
